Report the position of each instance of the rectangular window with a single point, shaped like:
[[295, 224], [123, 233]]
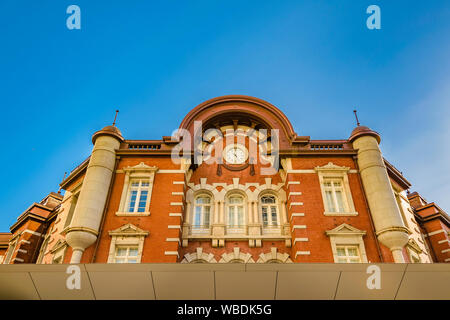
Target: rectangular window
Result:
[[138, 196], [335, 196], [348, 254], [126, 255]]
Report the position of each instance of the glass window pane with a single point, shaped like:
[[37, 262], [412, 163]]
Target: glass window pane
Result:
[[231, 221], [121, 252], [133, 252], [330, 201], [274, 215], [240, 216], [120, 260], [132, 261], [342, 260], [352, 251], [206, 216], [340, 201], [264, 215], [340, 252]]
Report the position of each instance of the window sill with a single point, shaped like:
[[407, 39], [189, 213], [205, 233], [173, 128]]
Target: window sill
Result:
[[340, 214], [132, 214]]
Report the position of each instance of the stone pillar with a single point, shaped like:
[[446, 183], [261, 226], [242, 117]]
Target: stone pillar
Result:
[[385, 213], [88, 213]]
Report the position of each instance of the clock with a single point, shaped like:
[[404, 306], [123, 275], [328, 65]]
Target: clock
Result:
[[236, 154]]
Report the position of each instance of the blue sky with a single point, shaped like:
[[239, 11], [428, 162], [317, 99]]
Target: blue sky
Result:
[[156, 60]]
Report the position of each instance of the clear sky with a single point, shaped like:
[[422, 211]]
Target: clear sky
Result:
[[156, 60]]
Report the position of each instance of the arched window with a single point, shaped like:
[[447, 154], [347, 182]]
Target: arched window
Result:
[[269, 211], [235, 213], [202, 213]]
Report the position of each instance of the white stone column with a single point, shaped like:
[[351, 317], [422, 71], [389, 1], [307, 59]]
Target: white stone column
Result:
[[91, 203], [381, 199]]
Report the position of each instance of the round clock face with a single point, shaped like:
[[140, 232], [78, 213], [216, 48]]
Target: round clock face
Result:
[[235, 154]]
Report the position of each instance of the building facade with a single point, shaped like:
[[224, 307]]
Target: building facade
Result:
[[234, 184]]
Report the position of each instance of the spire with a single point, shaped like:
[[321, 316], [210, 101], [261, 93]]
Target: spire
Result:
[[59, 190], [356, 116], [115, 118]]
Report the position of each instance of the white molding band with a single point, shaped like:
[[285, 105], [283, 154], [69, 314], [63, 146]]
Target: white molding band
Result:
[[300, 240], [179, 182], [174, 227], [297, 214], [302, 253], [435, 232], [295, 204], [171, 253], [298, 226]]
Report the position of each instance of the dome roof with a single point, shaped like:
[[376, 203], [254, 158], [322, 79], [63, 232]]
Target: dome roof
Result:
[[363, 131], [108, 130]]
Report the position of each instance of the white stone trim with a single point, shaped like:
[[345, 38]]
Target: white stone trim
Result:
[[199, 256], [132, 214], [298, 226], [174, 227], [435, 232], [295, 204], [171, 253], [22, 250], [297, 214], [442, 251], [171, 171], [178, 194], [293, 182], [293, 193], [302, 253], [34, 233], [236, 255], [300, 240], [443, 241], [176, 203], [18, 259], [24, 241], [274, 255], [179, 182], [173, 240]]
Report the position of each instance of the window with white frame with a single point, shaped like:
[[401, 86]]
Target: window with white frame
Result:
[[202, 213], [348, 254], [336, 193], [127, 254], [127, 244], [269, 211], [235, 216], [138, 195], [137, 190], [347, 244]]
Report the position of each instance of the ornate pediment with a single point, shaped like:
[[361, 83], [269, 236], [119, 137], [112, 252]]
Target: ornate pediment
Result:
[[413, 245], [128, 230], [331, 167], [345, 229], [141, 167], [61, 243]]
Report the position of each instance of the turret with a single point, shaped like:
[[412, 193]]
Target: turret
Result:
[[386, 216], [88, 213]]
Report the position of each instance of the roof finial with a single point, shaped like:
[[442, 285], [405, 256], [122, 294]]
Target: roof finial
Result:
[[356, 116], [115, 118], [59, 190]]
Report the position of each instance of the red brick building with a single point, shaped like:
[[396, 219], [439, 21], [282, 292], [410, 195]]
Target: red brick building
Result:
[[236, 184]]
